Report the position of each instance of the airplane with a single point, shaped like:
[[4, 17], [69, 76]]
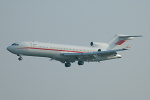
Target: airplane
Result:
[[68, 54]]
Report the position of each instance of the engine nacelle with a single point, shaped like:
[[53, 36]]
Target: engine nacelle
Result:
[[99, 45], [95, 44]]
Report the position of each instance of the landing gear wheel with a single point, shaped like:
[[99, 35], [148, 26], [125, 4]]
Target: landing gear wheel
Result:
[[67, 64], [20, 58], [80, 62]]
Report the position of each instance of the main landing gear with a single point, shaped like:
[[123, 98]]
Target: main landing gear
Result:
[[68, 64], [80, 62]]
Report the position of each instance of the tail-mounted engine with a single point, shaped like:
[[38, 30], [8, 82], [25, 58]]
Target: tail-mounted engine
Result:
[[96, 44], [102, 46]]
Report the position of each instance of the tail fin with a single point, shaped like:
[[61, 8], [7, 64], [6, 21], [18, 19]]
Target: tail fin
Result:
[[118, 41]]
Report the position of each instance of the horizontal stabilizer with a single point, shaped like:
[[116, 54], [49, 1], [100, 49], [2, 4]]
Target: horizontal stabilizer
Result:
[[129, 37]]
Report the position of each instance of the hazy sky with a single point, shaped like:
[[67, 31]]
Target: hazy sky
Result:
[[75, 22]]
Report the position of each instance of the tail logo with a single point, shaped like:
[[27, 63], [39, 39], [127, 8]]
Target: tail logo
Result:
[[120, 42]]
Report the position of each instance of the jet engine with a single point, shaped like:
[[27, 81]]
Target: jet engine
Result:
[[99, 45], [95, 44]]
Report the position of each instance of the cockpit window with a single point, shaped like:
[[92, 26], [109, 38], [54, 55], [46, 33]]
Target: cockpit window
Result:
[[15, 44]]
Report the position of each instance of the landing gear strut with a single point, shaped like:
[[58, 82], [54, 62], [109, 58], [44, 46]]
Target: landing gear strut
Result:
[[67, 64]]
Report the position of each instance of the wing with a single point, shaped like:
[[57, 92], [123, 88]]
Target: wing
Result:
[[91, 55]]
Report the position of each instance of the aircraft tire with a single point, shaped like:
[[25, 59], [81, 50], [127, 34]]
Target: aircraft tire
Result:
[[80, 62], [67, 64], [20, 58]]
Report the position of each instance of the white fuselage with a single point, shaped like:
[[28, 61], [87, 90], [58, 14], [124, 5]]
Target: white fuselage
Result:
[[52, 50], [69, 53]]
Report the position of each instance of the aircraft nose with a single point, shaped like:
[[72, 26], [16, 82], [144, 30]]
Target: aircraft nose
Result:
[[9, 48]]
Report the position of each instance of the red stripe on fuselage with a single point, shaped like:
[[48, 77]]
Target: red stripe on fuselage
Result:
[[50, 49], [120, 42]]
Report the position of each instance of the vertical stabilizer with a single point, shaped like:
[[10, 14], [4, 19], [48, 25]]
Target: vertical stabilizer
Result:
[[118, 41]]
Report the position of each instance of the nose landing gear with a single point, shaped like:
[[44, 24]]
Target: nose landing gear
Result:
[[20, 58]]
